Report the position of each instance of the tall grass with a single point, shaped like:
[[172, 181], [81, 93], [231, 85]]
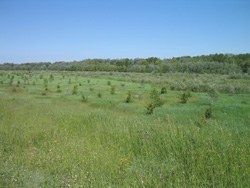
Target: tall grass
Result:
[[58, 141]]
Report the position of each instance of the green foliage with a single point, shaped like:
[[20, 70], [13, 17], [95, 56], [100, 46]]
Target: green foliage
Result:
[[84, 98], [184, 97], [74, 90], [44, 93], [150, 108], [14, 89], [45, 82], [128, 98], [112, 90], [213, 95], [163, 90], [99, 95], [208, 113], [109, 83], [58, 90], [210, 64], [155, 101], [11, 82], [55, 141], [51, 77], [155, 98]]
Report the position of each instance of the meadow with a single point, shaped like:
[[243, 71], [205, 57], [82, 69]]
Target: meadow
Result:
[[110, 129]]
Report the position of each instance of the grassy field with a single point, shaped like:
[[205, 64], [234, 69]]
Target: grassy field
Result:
[[75, 129]]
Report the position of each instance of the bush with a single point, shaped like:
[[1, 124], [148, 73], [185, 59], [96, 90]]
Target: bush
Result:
[[128, 98], [58, 89], [155, 98], [112, 91], [184, 97], [150, 108], [74, 90], [14, 90], [208, 113], [99, 95], [51, 78], [213, 94], [109, 83], [163, 90], [155, 102], [45, 82], [84, 98]]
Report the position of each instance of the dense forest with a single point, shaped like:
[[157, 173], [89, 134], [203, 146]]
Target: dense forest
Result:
[[215, 64]]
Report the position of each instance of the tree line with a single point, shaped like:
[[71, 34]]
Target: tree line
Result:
[[214, 64]]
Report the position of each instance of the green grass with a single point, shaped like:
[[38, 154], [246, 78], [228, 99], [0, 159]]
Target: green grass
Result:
[[56, 140]]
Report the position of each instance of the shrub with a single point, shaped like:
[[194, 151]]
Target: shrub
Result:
[[74, 90], [142, 82], [128, 98], [112, 91], [84, 98], [172, 87], [14, 90], [51, 78], [163, 90], [58, 89], [150, 108], [11, 82], [45, 81], [109, 83], [184, 97], [213, 94], [99, 95], [155, 98], [208, 113], [156, 101]]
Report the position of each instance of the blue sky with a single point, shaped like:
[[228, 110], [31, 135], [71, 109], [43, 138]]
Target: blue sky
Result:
[[66, 30]]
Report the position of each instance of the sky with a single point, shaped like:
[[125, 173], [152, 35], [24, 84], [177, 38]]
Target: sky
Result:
[[68, 30]]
